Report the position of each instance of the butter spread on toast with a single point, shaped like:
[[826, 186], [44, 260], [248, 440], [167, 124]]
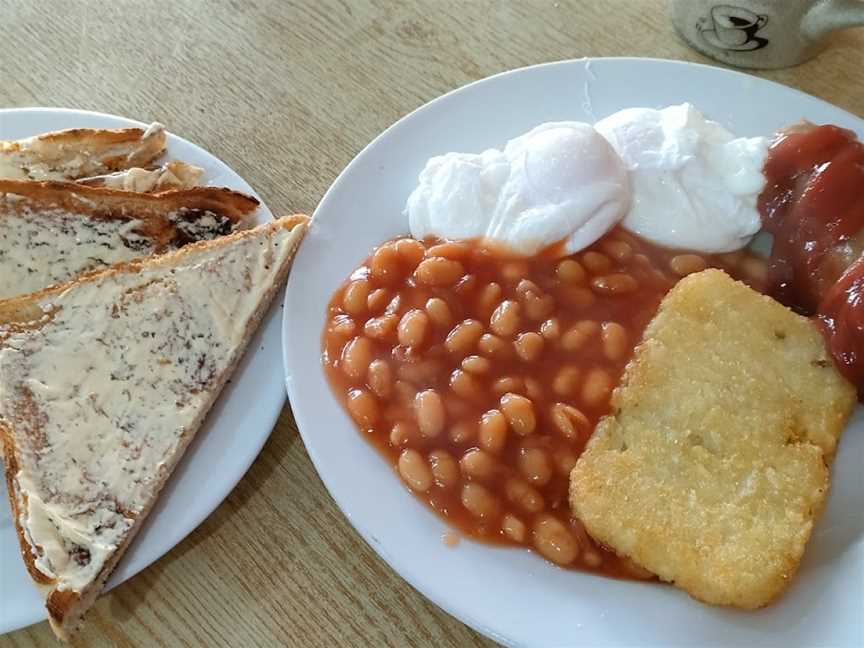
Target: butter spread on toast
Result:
[[104, 389]]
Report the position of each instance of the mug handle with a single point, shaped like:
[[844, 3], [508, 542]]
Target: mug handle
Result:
[[825, 17]]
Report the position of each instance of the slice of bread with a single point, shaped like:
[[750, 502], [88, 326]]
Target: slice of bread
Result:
[[171, 175], [713, 464], [80, 152], [105, 380], [52, 231]]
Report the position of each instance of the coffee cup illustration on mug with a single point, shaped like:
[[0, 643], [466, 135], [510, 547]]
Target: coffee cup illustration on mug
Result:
[[762, 33]]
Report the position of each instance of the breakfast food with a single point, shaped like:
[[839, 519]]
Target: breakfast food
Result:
[[51, 231], [479, 355], [712, 465], [80, 152], [814, 208], [480, 375], [559, 183], [695, 184], [171, 175], [103, 383]]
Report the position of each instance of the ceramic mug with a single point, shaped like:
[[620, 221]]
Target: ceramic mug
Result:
[[763, 33]]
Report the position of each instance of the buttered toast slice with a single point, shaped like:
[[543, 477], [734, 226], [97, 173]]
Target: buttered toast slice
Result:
[[52, 231], [80, 152], [105, 380]]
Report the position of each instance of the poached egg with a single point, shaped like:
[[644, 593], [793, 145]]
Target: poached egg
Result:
[[560, 182], [695, 185]]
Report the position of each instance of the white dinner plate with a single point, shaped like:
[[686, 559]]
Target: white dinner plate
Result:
[[509, 594], [223, 449]]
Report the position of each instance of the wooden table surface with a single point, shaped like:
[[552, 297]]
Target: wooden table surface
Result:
[[287, 93]]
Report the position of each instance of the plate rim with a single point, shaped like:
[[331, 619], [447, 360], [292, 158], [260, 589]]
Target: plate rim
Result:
[[279, 396], [467, 617]]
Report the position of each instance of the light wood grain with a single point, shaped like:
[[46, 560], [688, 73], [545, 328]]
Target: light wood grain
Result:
[[287, 94]]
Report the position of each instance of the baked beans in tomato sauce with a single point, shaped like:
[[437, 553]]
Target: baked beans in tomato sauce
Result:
[[480, 376]]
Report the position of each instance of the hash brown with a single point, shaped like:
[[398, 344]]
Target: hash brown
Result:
[[713, 464]]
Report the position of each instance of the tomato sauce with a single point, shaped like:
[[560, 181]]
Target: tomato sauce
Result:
[[480, 377]]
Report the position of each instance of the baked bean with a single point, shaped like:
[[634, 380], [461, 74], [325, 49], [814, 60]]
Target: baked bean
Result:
[[378, 300], [381, 328], [732, 258], [492, 431], [489, 298], [523, 495], [439, 313], [578, 298], [410, 251], [438, 271], [445, 470], [570, 271], [419, 373], [534, 465], [528, 346], [343, 326], [508, 384], [569, 421], [384, 266], [466, 385], [615, 342], [538, 307], [554, 541], [356, 296], [431, 416], [578, 335], [519, 412], [394, 306], [464, 336], [477, 464], [596, 263], [363, 408], [401, 433], [565, 382], [754, 268], [380, 378], [513, 528], [505, 319], [597, 387], [618, 250], [413, 328], [415, 470], [533, 388], [356, 357], [492, 345], [457, 408], [465, 285], [551, 329], [450, 250], [614, 284], [405, 392], [685, 264], [476, 364], [565, 461], [592, 558], [514, 270], [527, 286], [463, 432], [478, 500]]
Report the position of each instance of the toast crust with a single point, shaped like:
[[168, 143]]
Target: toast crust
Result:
[[54, 230], [81, 152], [67, 606]]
